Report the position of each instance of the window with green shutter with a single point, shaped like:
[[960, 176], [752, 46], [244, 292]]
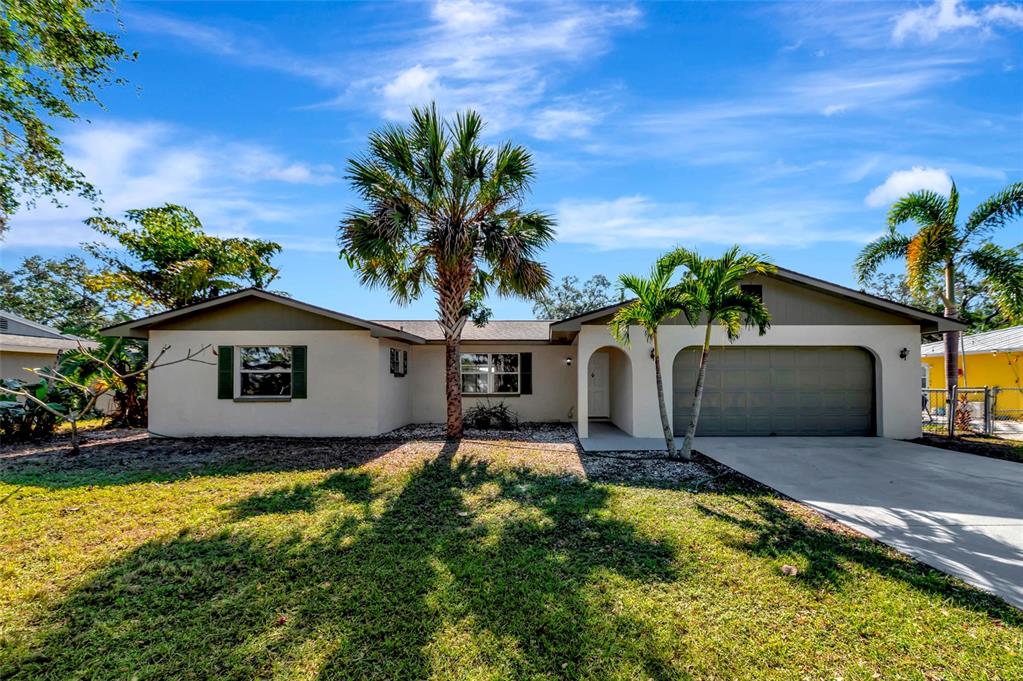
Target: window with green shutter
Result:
[[225, 372]]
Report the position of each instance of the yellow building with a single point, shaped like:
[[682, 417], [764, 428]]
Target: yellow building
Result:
[[991, 358]]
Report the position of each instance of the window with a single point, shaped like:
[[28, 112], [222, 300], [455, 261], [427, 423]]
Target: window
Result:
[[264, 371], [924, 376], [755, 290], [399, 362], [490, 373]]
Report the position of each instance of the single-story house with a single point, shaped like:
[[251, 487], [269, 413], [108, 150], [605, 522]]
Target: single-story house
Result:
[[990, 358], [835, 362], [25, 344]]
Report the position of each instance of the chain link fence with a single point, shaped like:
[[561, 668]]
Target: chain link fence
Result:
[[985, 411]]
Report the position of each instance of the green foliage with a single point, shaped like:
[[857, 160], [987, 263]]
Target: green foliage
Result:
[[976, 306], [52, 60], [53, 292], [656, 300], [123, 358], [941, 246], [444, 211], [488, 415], [24, 420], [569, 299], [172, 262]]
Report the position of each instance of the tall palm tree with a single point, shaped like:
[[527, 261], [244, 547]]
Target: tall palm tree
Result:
[[711, 292], [444, 211], [656, 300], [940, 249]]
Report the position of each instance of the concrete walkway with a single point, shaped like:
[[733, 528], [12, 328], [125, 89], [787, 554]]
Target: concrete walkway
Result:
[[607, 437], [959, 513]]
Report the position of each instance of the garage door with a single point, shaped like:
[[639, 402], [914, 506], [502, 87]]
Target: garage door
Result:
[[778, 391]]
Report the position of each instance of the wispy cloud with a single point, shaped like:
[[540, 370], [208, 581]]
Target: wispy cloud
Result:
[[231, 185], [902, 182], [929, 23], [500, 59], [640, 222]]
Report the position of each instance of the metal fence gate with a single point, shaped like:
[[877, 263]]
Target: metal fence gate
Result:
[[985, 411]]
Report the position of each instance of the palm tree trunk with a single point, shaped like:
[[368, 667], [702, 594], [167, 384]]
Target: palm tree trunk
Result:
[[669, 437], [951, 337], [694, 418], [453, 387]]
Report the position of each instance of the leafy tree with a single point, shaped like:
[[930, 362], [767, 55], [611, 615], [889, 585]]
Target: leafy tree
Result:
[[80, 387], [976, 306], [656, 300], [940, 249], [711, 292], [444, 211], [52, 61], [569, 299], [119, 364], [53, 292], [171, 262]]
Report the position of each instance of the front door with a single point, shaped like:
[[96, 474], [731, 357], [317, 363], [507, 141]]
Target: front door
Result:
[[600, 402]]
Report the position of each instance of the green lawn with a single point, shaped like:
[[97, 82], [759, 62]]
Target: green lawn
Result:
[[234, 560]]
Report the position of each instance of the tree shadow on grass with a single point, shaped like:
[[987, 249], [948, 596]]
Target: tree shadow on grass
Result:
[[466, 568], [825, 553]]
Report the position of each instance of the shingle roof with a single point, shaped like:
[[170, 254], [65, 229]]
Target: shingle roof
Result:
[[1000, 340], [11, 340], [497, 330]]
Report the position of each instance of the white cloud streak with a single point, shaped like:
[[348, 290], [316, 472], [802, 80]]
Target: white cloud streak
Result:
[[639, 222], [230, 185]]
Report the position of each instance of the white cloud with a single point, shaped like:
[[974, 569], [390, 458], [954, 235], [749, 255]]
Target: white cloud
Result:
[[555, 123], [928, 23], [832, 109], [902, 182], [639, 222], [230, 185]]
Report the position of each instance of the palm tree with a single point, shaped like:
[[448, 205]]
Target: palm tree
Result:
[[711, 292], [444, 211], [941, 249], [656, 300]]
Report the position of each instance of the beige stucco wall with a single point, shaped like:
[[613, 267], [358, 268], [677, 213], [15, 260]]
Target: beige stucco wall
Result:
[[12, 364], [553, 397], [897, 380], [621, 389], [343, 385], [395, 395]]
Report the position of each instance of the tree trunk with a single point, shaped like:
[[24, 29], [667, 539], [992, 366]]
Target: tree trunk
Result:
[[75, 447], [694, 418], [669, 437], [951, 339], [453, 386]]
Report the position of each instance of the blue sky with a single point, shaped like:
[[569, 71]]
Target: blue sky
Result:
[[788, 128]]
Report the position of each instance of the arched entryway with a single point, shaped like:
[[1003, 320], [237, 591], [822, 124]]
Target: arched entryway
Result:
[[778, 390], [609, 387]]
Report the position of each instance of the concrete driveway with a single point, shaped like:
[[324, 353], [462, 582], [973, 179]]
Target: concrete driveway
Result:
[[959, 513]]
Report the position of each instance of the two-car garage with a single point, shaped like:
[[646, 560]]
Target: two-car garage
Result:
[[776, 390]]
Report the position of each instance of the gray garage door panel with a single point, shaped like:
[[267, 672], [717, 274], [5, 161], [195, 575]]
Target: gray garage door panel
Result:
[[778, 391]]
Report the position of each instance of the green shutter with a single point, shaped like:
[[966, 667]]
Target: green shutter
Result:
[[526, 369], [298, 372], [225, 372]]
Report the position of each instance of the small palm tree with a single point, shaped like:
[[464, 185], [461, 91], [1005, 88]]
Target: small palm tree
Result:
[[711, 292], [941, 249], [656, 300], [444, 211]]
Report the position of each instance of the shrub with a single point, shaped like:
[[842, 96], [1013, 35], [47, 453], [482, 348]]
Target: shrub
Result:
[[24, 421], [488, 415]]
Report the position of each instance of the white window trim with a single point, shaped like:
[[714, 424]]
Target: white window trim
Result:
[[925, 376], [402, 362], [491, 374], [238, 371]]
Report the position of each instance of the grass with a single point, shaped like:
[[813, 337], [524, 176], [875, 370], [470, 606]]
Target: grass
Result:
[[471, 561]]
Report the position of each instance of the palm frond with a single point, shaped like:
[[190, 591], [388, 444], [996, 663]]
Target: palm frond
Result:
[[1002, 272], [886, 247], [923, 207], [993, 213]]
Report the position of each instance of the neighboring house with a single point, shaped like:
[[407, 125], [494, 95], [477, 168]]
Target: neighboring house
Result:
[[835, 362], [990, 358], [24, 344]]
